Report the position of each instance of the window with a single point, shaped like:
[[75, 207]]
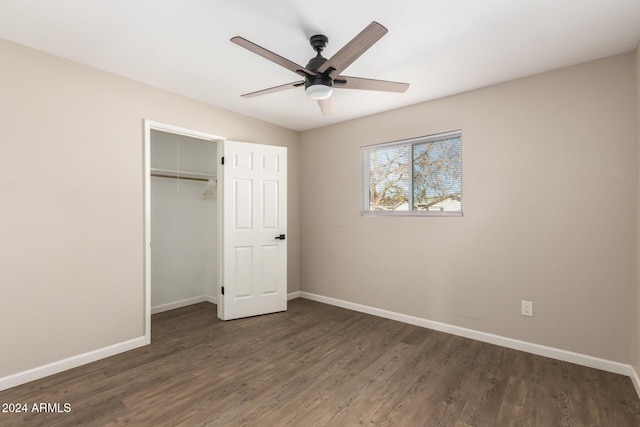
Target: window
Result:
[[420, 176]]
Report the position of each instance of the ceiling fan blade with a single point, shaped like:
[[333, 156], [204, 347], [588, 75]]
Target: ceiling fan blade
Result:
[[346, 82], [326, 106], [273, 57], [274, 89], [352, 50]]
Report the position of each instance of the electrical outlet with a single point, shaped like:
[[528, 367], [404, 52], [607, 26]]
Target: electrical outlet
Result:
[[526, 308]]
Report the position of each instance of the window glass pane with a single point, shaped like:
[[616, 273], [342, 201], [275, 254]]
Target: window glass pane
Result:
[[437, 175], [390, 178], [421, 176]]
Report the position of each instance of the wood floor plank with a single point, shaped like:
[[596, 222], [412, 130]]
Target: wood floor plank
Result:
[[319, 365]]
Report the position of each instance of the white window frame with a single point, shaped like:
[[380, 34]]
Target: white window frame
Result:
[[412, 141]]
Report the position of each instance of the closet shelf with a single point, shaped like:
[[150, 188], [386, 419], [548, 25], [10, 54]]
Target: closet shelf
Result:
[[168, 173]]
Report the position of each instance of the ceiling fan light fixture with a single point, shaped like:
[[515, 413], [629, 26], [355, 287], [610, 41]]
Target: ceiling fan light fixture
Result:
[[319, 91]]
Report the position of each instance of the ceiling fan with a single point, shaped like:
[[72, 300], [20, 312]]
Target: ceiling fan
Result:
[[321, 75]]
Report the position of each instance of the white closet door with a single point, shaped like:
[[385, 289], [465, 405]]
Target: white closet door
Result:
[[254, 276]]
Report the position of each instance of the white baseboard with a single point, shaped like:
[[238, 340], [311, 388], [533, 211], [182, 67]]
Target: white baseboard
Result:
[[541, 350], [555, 353], [635, 380], [69, 363], [82, 359], [293, 295], [183, 303], [203, 298]]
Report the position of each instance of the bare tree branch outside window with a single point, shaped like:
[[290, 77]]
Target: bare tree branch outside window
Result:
[[389, 177], [422, 175]]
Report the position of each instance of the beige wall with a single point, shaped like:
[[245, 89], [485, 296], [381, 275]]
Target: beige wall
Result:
[[549, 205], [71, 223]]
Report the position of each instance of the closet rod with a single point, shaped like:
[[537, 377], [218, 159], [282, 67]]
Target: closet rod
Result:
[[179, 177]]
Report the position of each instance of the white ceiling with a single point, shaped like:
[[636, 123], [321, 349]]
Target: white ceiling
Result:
[[440, 47]]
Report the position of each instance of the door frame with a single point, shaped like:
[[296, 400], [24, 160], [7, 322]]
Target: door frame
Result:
[[150, 125]]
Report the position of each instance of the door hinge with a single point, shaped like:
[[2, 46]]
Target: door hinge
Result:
[[223, 290], [222, 160]]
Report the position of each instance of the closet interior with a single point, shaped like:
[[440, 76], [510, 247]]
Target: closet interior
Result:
[[184, 258]]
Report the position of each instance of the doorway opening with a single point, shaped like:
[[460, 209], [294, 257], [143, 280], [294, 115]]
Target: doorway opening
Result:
[[182, 229], [214, 230]]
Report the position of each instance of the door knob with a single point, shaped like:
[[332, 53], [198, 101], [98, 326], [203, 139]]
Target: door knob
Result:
[[280, 237]]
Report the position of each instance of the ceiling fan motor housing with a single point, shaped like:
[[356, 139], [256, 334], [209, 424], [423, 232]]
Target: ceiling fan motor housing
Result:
[[318, 80]]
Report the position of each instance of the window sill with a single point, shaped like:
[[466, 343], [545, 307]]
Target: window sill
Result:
[[411, 213]]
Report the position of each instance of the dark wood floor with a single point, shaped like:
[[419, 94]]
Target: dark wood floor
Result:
[[317, 365]]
